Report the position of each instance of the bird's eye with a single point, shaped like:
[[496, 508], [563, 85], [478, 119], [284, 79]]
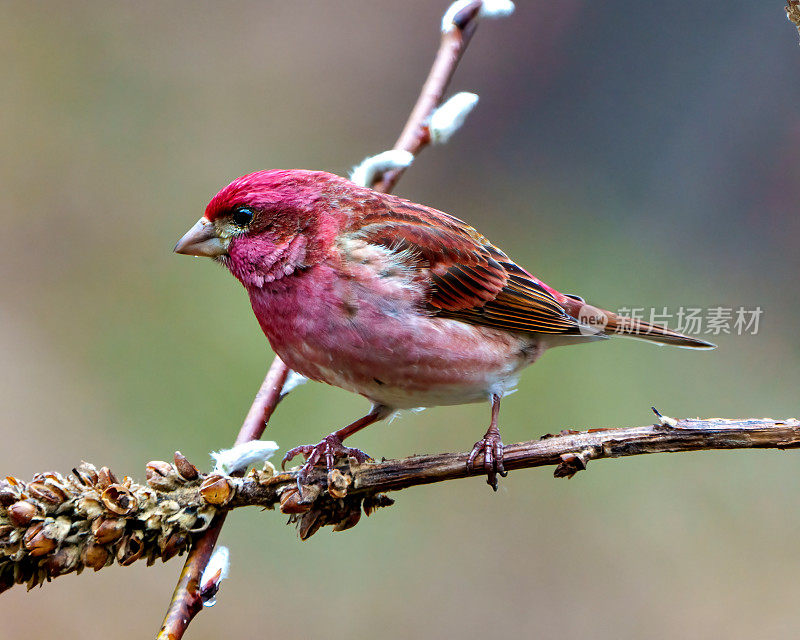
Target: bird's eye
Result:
[[242, 216]]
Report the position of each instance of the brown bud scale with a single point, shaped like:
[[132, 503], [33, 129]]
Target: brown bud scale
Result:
[[22, 513], [36, 542], [217, 490], [108, 529], [119, 499], [186, 469]]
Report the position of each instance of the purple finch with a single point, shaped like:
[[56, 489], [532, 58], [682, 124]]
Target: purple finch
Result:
[[401, 303]]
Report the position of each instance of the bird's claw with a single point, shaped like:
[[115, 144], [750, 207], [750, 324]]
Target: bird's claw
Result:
[[328, 449], [491, 446]]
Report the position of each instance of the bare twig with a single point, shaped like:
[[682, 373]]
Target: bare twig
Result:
[[264, 403], [415, 136], [57, 524], [186, 601]]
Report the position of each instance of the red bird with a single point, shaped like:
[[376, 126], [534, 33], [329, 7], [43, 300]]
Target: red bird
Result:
[[401, 303]]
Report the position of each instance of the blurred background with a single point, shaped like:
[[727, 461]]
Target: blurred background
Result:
[[637, 154]]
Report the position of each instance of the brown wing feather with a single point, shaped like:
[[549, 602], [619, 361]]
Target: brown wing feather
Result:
[[471, 279]]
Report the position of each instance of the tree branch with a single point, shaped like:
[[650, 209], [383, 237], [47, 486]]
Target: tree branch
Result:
[[57, 524], [569, 451]]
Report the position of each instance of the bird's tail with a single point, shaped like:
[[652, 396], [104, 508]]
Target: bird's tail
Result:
[[610, 323]]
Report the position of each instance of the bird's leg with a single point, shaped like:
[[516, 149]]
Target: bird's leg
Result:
[[331, 447], [492, 448]]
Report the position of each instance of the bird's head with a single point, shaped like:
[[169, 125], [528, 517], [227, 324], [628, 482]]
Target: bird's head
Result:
[[268, 224]]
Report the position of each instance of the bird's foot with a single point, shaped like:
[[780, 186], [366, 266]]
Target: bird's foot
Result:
[[327, 450], [491, 446]]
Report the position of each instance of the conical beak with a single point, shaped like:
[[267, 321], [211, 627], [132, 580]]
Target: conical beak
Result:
[[202, 240]]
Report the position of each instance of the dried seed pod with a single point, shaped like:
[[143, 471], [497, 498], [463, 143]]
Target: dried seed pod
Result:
[[9, 493], [107, 530], [62, 561], [61, 485], [290, 501], [15, 482], [309, 524], [151, 555], [338, 483], [216, 489], [5, 534], [21, 572], [46, 493], [54, 480], [161, 475], [570, 464], [36, 542], [131, 548], [37, 577], [310, 492], [119, 499], [105, 478], [174, 545], [21, 513], [186, 469], [86, 473], [350, 521], [95, 555]]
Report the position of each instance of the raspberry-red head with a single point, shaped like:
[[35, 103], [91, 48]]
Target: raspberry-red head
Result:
[[269, 223]]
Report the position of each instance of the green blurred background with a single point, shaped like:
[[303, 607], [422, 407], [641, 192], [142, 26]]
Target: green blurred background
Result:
[[638, 154]]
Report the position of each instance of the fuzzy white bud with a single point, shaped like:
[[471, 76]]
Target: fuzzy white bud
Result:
[[242, 455], [293, 380], [215, 572], [489, 9], [449, 116], [365, 173]]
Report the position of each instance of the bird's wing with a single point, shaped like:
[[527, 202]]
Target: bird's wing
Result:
[[471, 280]]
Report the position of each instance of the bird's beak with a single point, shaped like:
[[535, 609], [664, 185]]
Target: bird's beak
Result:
[[202, 240]]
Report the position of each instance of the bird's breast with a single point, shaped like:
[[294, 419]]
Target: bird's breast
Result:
[[364, 328]]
